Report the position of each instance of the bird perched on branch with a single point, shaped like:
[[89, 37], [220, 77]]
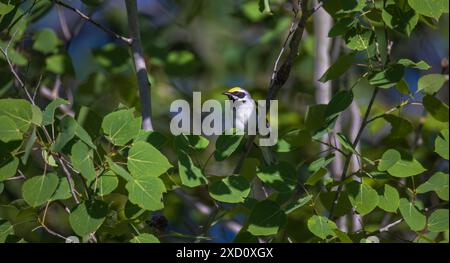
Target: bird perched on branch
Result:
[[245, 118]]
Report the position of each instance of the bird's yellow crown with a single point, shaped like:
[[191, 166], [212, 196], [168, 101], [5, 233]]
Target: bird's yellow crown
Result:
[[234, 89]]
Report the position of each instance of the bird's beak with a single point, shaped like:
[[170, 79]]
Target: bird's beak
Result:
[[228, 94]]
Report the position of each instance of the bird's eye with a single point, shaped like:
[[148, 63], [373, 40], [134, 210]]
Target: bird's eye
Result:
[[239, 94]]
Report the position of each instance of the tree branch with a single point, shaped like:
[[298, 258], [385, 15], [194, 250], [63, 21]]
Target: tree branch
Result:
[[354, 144], [280, 75], [87, 18], [139, 64]]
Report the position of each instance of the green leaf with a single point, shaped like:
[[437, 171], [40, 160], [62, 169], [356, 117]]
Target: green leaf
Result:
[[266, 218], [342, 64], [49, 111], [297, 204], [362, 197], [37, 115], [438, 221], [87, 217], [438, 183], [144, 238], [346, 143], [281, 176], [121, 126], [154, 138], [387, 78], [67, 132], [19, 111], [415, 220], [7, 19], [8, 166], [107, 182], [321, 226], [297, 138], [343, 237], [82, 134], [69, 128], [316, 176], [5, 8], [400, 18], [359, 39], [231, 189], [146, 192], [315, 117], [39, 189], [92, 2], [388, 159], [436, 108], [191, 175], [406, 168], [82, 160], [8, 130], [249, 168], [62, 191], [60, 64], [2, 186], [111, 56], [321, 163], [245, 237], [422, 65], [190, 142], [431, 83], [431, 8], [403, 87], [226, 145], [342, 26], [264, 7], [119, 170], [390, 200], [400, 127], [339, 102], [46, 41], [441, 144], [145, 160], [6, 229]]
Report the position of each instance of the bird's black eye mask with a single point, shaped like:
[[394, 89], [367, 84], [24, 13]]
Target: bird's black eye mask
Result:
[[233, 96], [239, 94]]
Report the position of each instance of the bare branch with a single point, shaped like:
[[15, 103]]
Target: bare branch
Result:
[[63, 22], [69, 178], [386, 228], [139, 64], [281, 74], [87, 18]]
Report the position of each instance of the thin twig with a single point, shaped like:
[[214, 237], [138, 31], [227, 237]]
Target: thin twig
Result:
[[388, 227], [63, 22], [126, 40], [349, 156], [69, 179]]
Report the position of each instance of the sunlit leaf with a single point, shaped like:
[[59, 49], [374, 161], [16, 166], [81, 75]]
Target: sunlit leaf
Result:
[[145, 160], [266, 218], [415, 220], [321, 226], [390, 200], [231, 189], [363, 197], [144, 238]]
